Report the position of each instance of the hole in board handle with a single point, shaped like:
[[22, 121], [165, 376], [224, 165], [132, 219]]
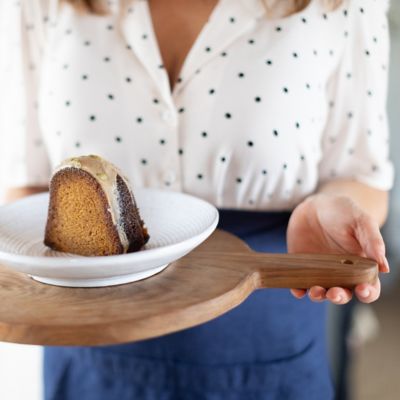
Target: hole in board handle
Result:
[[347, 262]]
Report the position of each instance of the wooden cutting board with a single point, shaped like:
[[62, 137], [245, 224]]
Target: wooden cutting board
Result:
[[208, 282]]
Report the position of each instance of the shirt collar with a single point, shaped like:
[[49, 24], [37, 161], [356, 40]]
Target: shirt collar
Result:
[[229, 20], [256, 8]]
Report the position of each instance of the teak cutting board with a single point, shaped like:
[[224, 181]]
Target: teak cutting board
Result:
[[206, 283]]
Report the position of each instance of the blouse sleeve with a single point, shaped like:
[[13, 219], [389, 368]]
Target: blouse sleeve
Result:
[[23, 157], [355, 143]]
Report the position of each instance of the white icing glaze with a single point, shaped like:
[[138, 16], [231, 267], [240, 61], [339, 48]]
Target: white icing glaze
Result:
[[105, 174]]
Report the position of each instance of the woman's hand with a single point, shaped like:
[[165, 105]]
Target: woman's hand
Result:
[[328, 223]]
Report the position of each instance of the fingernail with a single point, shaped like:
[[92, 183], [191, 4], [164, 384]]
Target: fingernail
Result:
[[365, 293], [337, 299], [387, 265]]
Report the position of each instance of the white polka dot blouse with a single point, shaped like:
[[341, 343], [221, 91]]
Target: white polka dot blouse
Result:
[[264, 110]]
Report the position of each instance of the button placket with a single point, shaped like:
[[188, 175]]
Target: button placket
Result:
[[170, 119]]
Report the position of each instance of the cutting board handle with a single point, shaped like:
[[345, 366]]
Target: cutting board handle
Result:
[[307, 270], [304, 270]]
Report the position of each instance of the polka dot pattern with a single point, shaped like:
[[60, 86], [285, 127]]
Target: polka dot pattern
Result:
[[260, 114]]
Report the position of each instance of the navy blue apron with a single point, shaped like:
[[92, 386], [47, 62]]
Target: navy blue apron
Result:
[[270, 347]]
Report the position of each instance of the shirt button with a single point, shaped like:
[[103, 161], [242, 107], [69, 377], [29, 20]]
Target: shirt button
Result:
[[168, 116], [170, 177]]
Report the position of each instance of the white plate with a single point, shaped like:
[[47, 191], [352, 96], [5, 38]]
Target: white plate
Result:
[[176, 222]]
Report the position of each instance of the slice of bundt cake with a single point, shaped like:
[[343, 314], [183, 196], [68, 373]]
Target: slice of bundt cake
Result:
[[92, 210]]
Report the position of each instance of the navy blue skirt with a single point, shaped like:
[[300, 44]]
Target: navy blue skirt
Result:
[[270, 347]]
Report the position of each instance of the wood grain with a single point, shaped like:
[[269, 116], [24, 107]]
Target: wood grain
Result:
[[206, 283]]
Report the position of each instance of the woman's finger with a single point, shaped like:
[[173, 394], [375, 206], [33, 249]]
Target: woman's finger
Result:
[[338, 295], [298, 293], [317, 293], [367, 293], [369, 236]]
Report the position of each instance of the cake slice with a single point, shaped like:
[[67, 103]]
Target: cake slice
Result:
[[92, 210]]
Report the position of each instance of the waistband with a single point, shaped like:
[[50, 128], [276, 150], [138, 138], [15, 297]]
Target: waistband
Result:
[[241, 222]]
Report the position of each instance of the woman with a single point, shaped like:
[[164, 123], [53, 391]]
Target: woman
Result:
[[273, 111]]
